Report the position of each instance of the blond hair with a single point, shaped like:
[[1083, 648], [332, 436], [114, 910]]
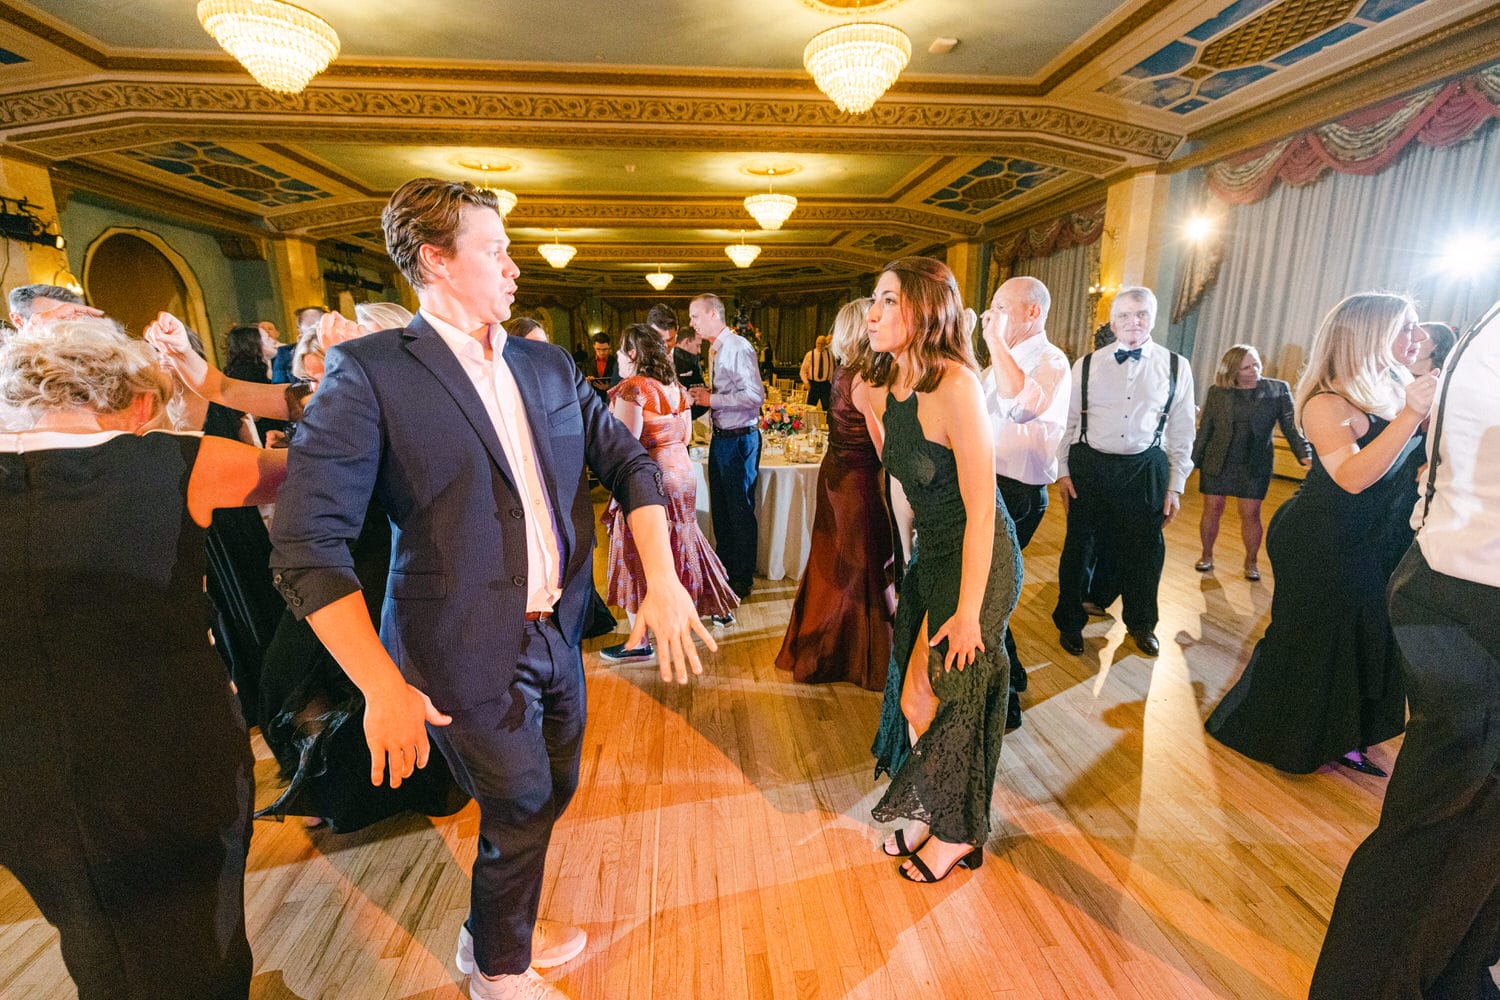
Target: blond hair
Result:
[[851, 333], [1228, 373], [309, 345], [85, 363], [1351, 354]]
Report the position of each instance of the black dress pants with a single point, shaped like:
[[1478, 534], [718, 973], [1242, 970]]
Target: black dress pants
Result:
[[517, 756], [1418, 913], [1118, 507], [1026, 504]]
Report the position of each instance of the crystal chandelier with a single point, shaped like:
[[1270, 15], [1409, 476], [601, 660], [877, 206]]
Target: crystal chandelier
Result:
[[741, 253], [855, 63], [557, 254], [659, 280], [282, 45], [506, 199], [770, 209]]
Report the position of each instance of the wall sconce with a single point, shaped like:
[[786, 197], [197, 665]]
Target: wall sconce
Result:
[[19, 221], [1099, 289]]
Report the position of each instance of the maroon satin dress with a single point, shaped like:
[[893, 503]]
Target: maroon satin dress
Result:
[[840, 628]]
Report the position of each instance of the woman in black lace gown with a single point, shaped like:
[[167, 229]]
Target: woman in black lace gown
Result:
[[944, 711], [1325, 683], [125, 768]]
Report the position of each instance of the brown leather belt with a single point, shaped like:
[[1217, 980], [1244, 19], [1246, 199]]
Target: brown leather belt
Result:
[[538, 616]]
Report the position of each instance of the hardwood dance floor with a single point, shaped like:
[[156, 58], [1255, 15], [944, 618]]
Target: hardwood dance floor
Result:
[[721, 847]]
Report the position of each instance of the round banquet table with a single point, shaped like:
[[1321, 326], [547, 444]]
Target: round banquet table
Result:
[[786, 495]]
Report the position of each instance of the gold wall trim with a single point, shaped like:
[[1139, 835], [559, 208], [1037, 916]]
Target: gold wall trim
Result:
[[773, 121]]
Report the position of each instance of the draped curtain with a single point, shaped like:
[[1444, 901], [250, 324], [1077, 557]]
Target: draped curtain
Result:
[[1293, 255], [1067, 275]]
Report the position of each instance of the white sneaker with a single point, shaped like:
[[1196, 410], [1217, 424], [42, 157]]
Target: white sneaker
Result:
[[526, 986], [552, 943]]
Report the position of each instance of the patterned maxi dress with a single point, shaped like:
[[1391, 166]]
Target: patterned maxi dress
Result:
[[664, 433], [947, 778]]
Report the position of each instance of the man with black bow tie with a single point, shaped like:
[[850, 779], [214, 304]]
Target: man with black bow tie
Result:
[[1125, 459]]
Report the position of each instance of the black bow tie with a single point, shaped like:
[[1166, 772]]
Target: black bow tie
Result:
[[1122, 355]]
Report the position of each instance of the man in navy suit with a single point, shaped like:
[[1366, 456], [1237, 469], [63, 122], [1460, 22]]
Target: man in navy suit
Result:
[[476, 444]]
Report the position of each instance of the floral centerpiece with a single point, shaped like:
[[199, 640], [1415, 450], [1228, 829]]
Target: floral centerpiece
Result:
[[781, 418]]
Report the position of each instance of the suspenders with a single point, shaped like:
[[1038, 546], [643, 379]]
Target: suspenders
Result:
[[1434, 456], [1083, 400]]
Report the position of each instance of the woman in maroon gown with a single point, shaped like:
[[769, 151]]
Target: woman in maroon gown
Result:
[[840, 628]]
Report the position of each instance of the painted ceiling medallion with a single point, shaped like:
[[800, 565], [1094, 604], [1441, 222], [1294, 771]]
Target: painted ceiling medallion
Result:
[[856, 63], [282, 45], [763, 169], [851, 6], [488, 164]]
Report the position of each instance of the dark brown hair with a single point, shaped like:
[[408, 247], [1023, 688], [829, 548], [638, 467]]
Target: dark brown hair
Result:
[[933, 312], [662, 317], [427, 211], [651, 359]]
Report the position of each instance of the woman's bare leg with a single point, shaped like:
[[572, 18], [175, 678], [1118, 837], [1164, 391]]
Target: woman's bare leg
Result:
[[1208, 525]]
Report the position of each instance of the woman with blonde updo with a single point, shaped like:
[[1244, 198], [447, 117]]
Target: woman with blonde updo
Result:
[[124, 761], [1324, 684]]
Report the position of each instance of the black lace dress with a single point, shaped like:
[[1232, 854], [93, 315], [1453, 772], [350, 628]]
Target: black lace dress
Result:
[[947, 778]]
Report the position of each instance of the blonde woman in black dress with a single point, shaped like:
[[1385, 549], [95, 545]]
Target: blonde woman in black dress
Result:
[[1234, 453]]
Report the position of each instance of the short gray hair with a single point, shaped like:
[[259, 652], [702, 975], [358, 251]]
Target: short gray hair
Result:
[[22, 298], [1141, 292], [377, 316]]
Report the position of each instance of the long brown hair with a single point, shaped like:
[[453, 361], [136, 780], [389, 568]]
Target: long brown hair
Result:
[[651, 357], [933, 311]]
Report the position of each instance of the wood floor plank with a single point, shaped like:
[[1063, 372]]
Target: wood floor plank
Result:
[[720, 845]]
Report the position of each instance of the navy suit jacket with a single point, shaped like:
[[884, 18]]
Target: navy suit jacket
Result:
[[397, 417]]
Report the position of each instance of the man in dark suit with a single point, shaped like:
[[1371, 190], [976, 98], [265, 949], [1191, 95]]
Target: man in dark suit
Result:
[[476, 443]]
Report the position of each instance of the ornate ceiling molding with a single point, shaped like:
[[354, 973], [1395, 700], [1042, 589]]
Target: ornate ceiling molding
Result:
[[812, 125], [595, 213], [651, 253]]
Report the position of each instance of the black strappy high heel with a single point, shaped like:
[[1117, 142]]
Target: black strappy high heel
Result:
[[972, 860]]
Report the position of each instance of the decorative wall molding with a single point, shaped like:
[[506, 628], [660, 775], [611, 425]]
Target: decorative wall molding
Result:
[[75, 105]]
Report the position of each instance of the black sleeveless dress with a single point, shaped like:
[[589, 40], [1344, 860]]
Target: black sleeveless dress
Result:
[[125, 770], [947, 778], [1326, 677]]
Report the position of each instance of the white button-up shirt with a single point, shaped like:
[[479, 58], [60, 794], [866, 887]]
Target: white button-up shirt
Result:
[[497, 390], [1125, 403], [1460, 536], [737, 392], [1029, 426]]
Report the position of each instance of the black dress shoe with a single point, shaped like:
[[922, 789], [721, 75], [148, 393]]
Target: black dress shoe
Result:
[[1018, 677], [1363, 765], [1013, 712], [1072, 642], [1146, 643]]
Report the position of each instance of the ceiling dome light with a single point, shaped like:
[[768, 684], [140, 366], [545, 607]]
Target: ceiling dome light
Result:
[[282, 45], [856, 63], [743, 254], [659, 280], [506, 199], [557, 254]]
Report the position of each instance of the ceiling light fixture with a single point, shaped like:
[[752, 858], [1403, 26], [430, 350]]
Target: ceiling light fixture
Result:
[[659, 280], [506, 199], [770, 209], [743, 254], [557, 254], [856, 63], [282, 45]]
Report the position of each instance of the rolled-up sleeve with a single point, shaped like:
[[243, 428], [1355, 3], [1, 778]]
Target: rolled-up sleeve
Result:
[[330, 477]]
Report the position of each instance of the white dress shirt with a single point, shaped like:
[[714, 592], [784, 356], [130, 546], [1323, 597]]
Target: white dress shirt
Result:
[[1029, 426], [737, 389], [1460, 536], [1125, 402], [502, 402]]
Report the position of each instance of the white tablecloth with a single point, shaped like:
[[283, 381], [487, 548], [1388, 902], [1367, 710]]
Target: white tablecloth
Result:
[[786, 498]]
